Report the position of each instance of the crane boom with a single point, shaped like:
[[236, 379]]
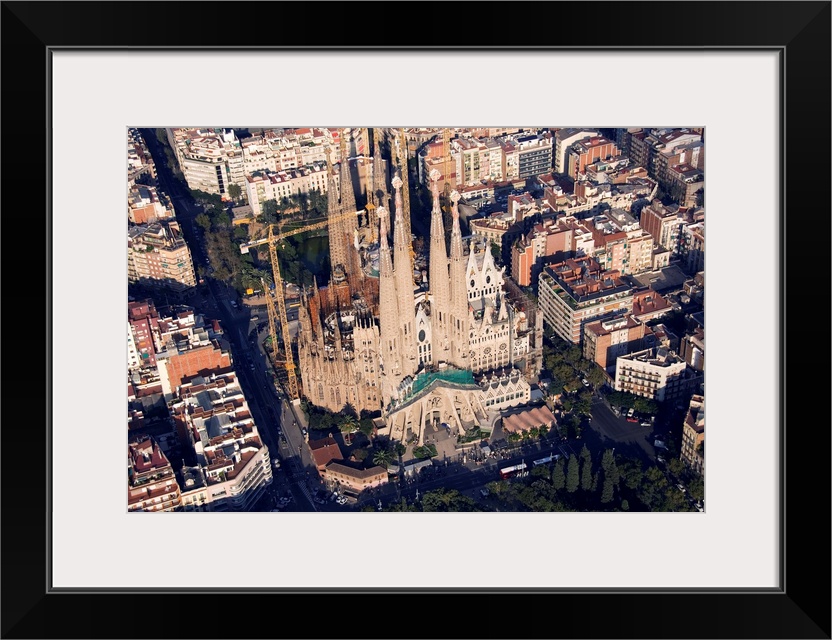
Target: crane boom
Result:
[[272, 239], [285, 234]]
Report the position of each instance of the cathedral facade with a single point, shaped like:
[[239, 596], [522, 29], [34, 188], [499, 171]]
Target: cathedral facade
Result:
[[417, 357]]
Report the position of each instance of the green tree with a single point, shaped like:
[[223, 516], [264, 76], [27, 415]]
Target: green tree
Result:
[[625, 505], [596, 376], [559, 475], [348, 424], [541, 471], [203, 221], [269, 209], [496, 253], [586, 469], [696, 488], [609, 467], [234, 191], [383, 457], [633, 474], [654, 487], [676, 467], [572, 477], [607, 491], [447, 500], [365, 425]]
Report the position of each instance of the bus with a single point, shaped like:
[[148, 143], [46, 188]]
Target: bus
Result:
[[514, 470], [550, 458]]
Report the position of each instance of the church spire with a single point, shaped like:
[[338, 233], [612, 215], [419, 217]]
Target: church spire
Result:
[[347, 193], [404, 285], [459, 292], [439, 278]]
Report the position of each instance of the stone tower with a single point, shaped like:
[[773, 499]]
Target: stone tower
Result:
[[341, 231], [403, 268], [459, 309], [390, 347], [440, 294]]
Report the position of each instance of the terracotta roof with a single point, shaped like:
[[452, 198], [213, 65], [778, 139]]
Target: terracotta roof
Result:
[[356, 473], [325, 451]]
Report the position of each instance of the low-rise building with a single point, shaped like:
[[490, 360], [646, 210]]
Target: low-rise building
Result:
[[355, 480], [532, 418], [649, 305], [324, 451]]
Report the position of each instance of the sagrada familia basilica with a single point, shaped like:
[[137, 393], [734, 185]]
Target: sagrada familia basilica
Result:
[[451, 349]]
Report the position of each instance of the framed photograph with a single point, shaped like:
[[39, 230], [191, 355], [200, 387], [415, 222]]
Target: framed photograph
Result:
[[753, 77]]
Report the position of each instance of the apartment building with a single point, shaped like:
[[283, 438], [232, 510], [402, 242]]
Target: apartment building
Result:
[[606, 340], [620, 243], [576, 291], [656, 373], [664, 224], [553, 240], [189, 347], [692, 247], [151, 482], [534, 154], [693, 436], [140, 165], [666, 144], [261, 186], [233, 463], [146, 205], [692, 349], [684, 184], [210, 159], [564, 139], [142, 332], [584, 152], [157, 256]]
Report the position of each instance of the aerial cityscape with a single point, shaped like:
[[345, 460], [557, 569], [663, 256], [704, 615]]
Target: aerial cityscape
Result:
[[467, 319]]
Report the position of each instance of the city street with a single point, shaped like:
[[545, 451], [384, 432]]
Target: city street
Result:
[[271, 415]]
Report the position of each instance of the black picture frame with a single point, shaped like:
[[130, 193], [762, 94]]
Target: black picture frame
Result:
[[800, 608]]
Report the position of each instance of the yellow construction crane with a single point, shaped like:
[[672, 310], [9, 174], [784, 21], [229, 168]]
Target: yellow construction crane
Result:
[[272, 239]]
